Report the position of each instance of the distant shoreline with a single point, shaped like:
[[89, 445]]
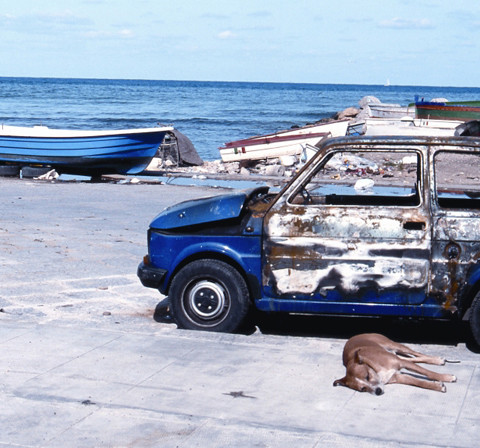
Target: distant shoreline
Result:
[[210, 82]]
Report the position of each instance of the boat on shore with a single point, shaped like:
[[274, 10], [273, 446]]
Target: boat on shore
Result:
[[408, 126], [450, 110], [281, 143], [385, 110], [91, 153]]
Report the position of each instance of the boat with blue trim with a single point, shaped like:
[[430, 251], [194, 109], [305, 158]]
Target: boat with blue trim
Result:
[[85, 152]]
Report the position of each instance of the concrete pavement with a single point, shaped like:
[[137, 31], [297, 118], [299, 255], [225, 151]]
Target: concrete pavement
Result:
[[87, 361]]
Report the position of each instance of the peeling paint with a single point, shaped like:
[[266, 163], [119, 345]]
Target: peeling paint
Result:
[[350, 277], [347, 243]]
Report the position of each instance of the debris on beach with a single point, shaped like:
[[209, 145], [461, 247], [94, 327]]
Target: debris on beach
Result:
[[177, 156], [176, 150], [49, 175], [284, 166]]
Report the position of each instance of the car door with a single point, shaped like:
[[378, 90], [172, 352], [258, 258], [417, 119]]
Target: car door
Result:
[[359, 234], [456, 214]]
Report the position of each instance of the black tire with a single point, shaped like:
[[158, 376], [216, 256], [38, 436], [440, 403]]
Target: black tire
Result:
[[475, 319], [29, 172], [9, 170], [209, 295]]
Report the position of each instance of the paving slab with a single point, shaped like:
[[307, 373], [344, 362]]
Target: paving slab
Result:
[[86, 360]]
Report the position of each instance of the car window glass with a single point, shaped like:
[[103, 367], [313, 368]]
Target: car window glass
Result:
[[457, 182], [373, 178]]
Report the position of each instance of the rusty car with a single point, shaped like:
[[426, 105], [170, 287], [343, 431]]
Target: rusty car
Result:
[[372, 226]]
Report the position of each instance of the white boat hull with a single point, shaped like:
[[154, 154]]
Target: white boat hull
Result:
[[288, 142], [415, 127], [382, 110]]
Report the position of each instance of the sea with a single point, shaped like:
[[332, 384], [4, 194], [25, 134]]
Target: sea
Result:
[[210, 113]]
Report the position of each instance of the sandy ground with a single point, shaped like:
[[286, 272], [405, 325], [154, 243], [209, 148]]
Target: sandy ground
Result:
[[69, 251], [89, 360]]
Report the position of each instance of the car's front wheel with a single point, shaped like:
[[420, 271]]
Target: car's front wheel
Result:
[[209, 295]]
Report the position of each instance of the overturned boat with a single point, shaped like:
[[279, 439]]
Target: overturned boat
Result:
[[85, 152]]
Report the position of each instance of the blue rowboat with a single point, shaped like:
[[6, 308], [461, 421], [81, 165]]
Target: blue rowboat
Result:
[[84, 152]]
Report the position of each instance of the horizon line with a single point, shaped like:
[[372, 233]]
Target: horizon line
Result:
[[234, 82]]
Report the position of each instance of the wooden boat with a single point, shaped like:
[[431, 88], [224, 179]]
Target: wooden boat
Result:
[[451, 110], [91, 153], [281, 143]]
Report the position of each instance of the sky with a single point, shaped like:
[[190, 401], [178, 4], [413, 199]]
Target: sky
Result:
[[408, 42]]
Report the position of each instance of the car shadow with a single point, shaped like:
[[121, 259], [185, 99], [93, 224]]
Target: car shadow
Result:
[[418, 331], [162, 313], [414, 331]]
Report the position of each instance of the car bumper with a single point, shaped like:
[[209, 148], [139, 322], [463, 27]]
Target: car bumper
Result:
[[150, 276]]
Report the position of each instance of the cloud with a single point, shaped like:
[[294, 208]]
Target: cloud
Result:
[[214, 16], [44, 23], [124, 33], [261, 14], [61, 19], [227, 34], [7, 17], [406, 24]]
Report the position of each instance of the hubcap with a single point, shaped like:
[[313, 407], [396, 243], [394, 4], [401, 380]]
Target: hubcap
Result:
[[207, 299]]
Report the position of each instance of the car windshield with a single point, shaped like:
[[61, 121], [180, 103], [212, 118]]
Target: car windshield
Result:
[[380, 177]]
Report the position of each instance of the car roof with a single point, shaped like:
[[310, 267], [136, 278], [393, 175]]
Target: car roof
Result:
[[399, 143]]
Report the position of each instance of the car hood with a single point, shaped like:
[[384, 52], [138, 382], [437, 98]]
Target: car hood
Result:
[[201, 211]]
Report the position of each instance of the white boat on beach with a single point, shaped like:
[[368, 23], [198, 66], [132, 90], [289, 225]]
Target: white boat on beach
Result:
[[385, 110], [282, 143], [408, 126]]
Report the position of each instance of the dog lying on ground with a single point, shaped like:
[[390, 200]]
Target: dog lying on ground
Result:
[[372, 361]]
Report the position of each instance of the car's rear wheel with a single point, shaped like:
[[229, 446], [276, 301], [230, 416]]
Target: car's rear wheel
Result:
[[209, 295], [475, 319]]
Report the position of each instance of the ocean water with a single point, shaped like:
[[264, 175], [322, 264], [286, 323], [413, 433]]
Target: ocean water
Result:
[[209, 113]]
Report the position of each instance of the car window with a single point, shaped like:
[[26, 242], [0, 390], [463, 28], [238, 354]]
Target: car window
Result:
[[457, 183], [373, 178]]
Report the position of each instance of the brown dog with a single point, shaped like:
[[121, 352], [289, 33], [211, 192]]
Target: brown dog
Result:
[[372, 360]]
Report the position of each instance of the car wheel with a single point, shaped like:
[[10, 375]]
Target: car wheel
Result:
[[9, 170], [209, 295], [475, 319], [34, 171]]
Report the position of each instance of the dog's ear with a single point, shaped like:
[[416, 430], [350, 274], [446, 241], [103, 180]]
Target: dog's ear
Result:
[[340, 382], [357, 358]]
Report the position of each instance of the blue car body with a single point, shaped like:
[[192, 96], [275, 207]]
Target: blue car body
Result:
[[311, 249], [210, 227]]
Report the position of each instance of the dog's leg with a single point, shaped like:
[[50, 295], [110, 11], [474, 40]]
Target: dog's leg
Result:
[[409, 365], [409, 380], [407, 353]]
